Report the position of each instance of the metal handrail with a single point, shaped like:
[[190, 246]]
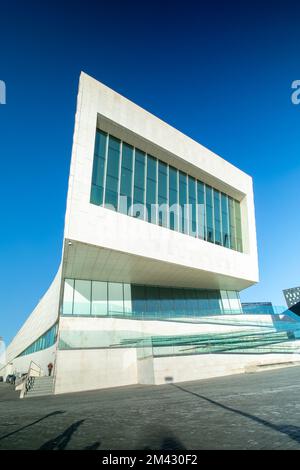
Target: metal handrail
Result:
[[34, 371]]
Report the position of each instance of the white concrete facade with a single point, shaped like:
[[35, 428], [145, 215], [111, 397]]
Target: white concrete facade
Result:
[[102, 245], [88, 369], [137, 243]]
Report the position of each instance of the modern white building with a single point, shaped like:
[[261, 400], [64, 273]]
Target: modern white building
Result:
[[2, 353], [159, 240]]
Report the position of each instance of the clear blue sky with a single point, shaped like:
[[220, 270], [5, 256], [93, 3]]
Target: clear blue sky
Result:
[[221, 74]]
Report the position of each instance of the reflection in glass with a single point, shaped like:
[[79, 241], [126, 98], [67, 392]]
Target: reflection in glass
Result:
[[115, 298], [98, 168], [99, 298], [140, 185], [112, 173], [68, 297], [110, 298], [173, 198], [183, 222], [192, 207], [217, 215], [209, 214], [126, 179], [162, 195], [82, 297], [151, 189]]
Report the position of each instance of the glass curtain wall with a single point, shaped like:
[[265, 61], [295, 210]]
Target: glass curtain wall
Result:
[[173, 198], [45, 341], [125, 201], [128, 180], [95, 298]]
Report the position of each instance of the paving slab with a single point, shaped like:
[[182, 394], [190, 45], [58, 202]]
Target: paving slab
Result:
[[248, 411]]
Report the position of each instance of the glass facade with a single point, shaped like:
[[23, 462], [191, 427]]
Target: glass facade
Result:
[[43, 342], [95, 298], [112, 173], [173, 198], [151, 189], [128, 180], [241, 341]]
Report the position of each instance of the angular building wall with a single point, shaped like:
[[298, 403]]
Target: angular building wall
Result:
[[131, 288], [31, 343], [128, 249]]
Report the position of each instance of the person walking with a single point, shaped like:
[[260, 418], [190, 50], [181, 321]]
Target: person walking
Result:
[[50, 367]]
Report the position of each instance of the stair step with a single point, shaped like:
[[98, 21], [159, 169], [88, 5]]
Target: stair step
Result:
[[32, 395], [44, 377], [41, 386], [42, 389]]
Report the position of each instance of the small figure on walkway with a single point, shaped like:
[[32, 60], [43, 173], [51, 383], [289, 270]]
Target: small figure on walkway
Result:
[[50, 367]]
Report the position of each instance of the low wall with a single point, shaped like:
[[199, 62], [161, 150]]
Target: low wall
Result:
[[80, 370], [205, 366], [90, 369]]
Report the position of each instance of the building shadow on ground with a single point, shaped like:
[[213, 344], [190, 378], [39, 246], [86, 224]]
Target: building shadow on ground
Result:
[[291, 431], [54, 413]]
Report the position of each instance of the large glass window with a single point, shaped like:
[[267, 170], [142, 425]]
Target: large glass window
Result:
[[225, 301], [238, 224], [214, 301], [225, 220], [112, 173], [173, 198], [82, 298], [180, 302], [138, 299], [45, 341], [202, 296], [162, 195], [183, 202], [166, 302], [99, 298], [217, 215], [125, 200], [192, 207], [191, 302], [234, 300], [232, 223], [67, 307], [139, 185], [127, 298], [152, 300], [209, 214], [151, 189], [115, 298], [201, 210], [98, 168]]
